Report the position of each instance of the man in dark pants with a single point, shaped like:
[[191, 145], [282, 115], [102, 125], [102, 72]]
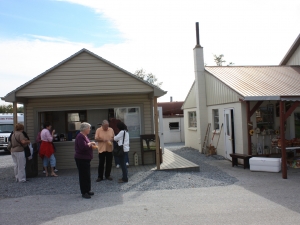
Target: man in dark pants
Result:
[[104, 136], [113, 124]]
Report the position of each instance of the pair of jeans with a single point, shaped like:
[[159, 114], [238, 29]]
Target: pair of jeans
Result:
[[105, 158], [52, 161], [84, 170], [124, 168], [117, 159]]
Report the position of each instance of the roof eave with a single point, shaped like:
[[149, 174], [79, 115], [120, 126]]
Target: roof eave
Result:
[[261, 98], [159, 92], [272, 98]]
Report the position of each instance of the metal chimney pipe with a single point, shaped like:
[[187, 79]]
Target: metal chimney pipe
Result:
[[197, 34], [171, 99]]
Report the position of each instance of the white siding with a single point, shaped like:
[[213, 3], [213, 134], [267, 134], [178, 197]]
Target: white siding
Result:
[[295, 58], [191, 136], [172, 136], [239, 128], [217, 92], [190, 101], [84, 75]]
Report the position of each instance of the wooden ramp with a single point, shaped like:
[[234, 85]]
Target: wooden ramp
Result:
[[174, 162]]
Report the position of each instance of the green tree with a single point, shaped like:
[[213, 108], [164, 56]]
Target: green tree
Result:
[[149, 77], [219, 60]]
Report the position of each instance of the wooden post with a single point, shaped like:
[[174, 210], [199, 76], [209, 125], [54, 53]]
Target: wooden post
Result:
[[248, 122], [156, 133], [250, 112], [15, 113], [282, 137]]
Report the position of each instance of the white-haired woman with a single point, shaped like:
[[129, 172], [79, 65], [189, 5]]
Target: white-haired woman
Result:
[[83, 156]]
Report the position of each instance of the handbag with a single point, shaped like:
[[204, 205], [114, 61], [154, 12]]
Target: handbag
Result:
[[119, 149], [9, 146], [26, 149]]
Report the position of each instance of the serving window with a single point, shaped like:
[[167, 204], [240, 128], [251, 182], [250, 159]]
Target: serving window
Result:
[[131, 116], [67, 123], [74, 120]]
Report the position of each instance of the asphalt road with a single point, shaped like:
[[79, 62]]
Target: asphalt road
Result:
[[256, 198]]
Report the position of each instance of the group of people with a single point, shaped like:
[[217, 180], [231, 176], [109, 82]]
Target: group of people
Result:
[[104, 142], [19, 140]]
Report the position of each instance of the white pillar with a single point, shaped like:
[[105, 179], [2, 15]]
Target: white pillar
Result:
[[201, 113]]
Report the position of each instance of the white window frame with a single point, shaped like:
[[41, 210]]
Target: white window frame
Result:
[[216, 119], [192, 116]]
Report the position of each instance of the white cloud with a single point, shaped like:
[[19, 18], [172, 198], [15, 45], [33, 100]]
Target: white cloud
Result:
[[160, 36]]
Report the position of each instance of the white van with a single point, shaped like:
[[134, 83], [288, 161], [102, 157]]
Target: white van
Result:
[[7, 126]]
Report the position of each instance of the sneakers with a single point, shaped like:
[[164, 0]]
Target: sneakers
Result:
[[91, 193], [44, 171], [99, 179], [118, 166], [127, 164], [86, 195]]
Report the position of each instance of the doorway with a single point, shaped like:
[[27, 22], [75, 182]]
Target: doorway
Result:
[[229, 132]]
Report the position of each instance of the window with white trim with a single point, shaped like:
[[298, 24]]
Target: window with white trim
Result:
[[216, 119], [192, 119]]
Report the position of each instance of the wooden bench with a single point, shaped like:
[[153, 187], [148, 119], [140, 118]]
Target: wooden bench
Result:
[[236, 156]]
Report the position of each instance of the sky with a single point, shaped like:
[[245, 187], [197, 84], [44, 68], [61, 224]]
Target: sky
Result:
[[156, 35]]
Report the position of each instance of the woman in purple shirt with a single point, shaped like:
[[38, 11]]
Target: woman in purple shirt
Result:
[[83, 156]]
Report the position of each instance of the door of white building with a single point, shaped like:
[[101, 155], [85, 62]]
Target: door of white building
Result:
[[229, 132]]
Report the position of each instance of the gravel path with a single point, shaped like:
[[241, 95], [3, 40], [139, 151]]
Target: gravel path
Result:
[[140, 179]]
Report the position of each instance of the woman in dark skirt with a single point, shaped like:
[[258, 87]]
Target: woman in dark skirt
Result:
[[83, 156]]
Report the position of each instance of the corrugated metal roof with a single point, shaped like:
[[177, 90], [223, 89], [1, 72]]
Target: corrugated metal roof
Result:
[[266, 82]]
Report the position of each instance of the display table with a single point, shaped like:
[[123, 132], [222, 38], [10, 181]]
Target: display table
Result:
[[293, 149]]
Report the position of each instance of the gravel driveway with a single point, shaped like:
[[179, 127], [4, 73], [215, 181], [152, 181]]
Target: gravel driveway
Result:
[[141, 178]]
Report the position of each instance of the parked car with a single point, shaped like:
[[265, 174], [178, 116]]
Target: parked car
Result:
[[6, 127]]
